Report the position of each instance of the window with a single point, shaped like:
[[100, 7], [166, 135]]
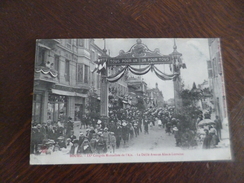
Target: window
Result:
[[78, 112], [86, 74], [209, 64], [79, 73], [215, 69], [56, 63], [41, 57], [98, 81], [56, 107], [67, 72], [219, 63], [81, 42], [93, 79], [210, 73], [68, 43], [37, 108], [93, 56]]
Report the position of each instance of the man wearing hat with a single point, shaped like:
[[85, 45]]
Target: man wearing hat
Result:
[[106, 137], [93, 142], [37, 137], [146, 123], [68, 144], [75, 148], [136, 128], [85, 147], [81, 138], [118, 134], [72, 136], [125, 132], [99, 125], [112, 142], [61, 142], [70, 126], [101, 144]]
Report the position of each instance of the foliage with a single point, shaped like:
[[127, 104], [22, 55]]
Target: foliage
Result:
[[190, 109]]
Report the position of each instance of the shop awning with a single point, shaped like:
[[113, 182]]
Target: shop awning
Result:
[[68, 93]]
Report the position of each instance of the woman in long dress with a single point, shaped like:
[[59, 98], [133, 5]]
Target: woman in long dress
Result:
[[214, 140], [207, 140]]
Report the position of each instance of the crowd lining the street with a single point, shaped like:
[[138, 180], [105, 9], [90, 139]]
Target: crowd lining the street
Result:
[[122, 126]]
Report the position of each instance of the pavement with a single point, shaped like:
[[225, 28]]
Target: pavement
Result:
[[156, 140]]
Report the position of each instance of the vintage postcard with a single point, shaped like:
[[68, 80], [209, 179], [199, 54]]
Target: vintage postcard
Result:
[[129, 100]]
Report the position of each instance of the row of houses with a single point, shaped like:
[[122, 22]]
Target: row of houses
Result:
[[216, 79], [64, 80]]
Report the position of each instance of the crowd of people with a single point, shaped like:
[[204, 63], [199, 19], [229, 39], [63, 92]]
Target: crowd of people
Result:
[[210, 134], [122, 125]]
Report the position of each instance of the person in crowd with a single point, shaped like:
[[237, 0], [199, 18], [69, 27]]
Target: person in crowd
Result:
[[61, 142], [37, 137], [159, 122], [93, 143], [72, 136], [75, 148], [146, 124], [218, 126], [60, 126], [125, 132], [136, 128], [177, 136], [101, 145], [68, 144], [106, 136], [99, 126], [118, 134], [56, 147], [112, 143], [85, 147], [214, 140], [140, 122], [70, 126], [86, 121], [131, 130], [168, 128], [81, 138], [32, 146], [87, 133], [207, 140], [90, 133]]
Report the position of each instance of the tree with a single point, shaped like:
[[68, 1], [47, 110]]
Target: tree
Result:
[[190, 109]]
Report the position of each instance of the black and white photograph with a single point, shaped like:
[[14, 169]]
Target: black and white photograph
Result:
[[129, 100]]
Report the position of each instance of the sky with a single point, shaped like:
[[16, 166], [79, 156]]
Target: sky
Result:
[[195, 53]]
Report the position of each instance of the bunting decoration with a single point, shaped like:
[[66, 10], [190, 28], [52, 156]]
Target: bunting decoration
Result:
[[46, 71], [164, 76], [137, 71], [141, 71], [117, 76]]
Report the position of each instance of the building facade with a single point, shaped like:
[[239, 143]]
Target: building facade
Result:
[[118, 91], [63, 78], [155, 98], [216, 79]]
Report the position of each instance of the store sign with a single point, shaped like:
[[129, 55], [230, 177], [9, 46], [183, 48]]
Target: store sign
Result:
[[139, 61]]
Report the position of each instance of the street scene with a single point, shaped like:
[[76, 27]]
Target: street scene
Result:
[[114, 97]]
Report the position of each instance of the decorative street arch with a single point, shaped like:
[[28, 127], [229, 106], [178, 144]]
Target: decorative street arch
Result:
[[139, 54]]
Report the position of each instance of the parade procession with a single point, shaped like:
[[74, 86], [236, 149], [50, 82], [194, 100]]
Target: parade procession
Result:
[[93, 98]]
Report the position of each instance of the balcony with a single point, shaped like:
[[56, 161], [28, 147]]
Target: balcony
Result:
[[46, 74]]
